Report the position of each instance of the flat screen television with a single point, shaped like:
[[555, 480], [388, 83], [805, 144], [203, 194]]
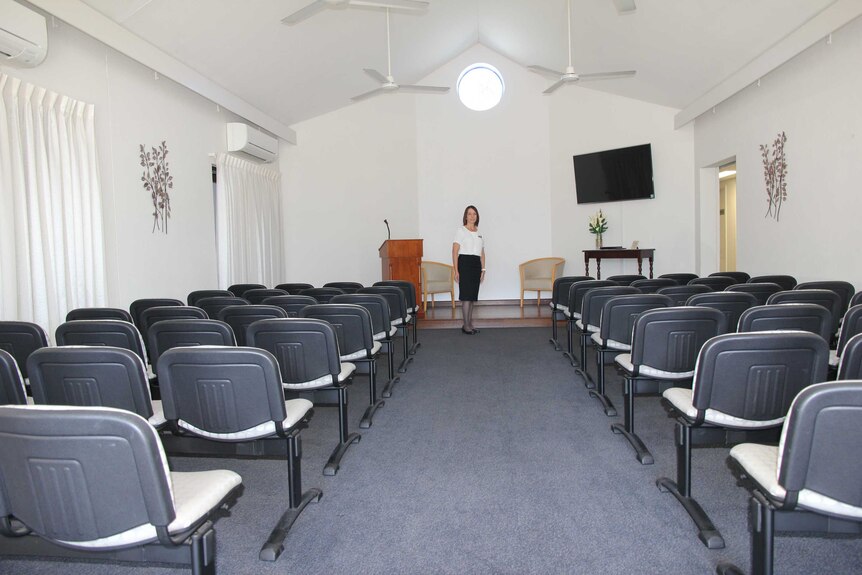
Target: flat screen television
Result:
[[614, 175]]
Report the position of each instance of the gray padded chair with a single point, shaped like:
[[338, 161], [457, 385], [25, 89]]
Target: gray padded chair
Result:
[[680, 294], [398, 315], [12, 390], [653, 285], [152, 315], [743, 387], [809, 483], [139, 306], [171, 333], [740, 277], [850, 365], [99, 313], [106, 457], [731, 304], [257, 295], [827, 298], [792, 316], [412, 307], [20, 339], [715, 283], [680, 278], [856, 299], [322, 294], [845, 291], [294, 288], [761, 291], [290, 303], [102, 332], [346, 287], [786, 282], [308, 356], [560, 301], [238, 289], [625, 279], [573, 315], [241, 316], [195, 296], [86, 376], [665, 344], [356, 344], [228, 402], [850, 327], [213, 305]]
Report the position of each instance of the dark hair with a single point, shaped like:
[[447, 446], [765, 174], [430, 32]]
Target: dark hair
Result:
[[467, 209]]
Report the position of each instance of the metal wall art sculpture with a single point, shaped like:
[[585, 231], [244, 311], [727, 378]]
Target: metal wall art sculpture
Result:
[[775, 175], [157, 180]]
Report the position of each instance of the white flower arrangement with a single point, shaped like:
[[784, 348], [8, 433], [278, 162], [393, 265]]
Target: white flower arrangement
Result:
[[598, 223]]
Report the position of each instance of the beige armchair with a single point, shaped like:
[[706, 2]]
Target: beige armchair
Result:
[[538, 275], [437, 278]]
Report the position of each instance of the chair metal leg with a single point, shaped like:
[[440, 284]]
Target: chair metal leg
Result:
[[416, 342], [203, 551], [555, 317], [582, 371], [373, 403], [627, 430], [403, 331], [389, 348], [761, 517], [346, 439], [599, 392], [570, 338]]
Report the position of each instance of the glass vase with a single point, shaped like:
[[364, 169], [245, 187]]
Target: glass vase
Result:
[[598, 241]]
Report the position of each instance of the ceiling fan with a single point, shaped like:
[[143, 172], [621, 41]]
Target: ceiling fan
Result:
[[320, 5], [570, 76], [387, 83]]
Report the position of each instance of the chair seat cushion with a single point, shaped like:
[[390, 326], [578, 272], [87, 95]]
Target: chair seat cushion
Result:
[[347, 370], [833, 358], [295, 410], [681, 399], [158, 418], [363, 353], [533, 284], [559, 307], [196, 493], [625, 361], [609, 343], [761, 465]]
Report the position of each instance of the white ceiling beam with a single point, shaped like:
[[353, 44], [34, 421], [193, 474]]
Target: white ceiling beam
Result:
[[95, 24], [817, 28]]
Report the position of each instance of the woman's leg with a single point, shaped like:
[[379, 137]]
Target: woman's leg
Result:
[[467, 314]]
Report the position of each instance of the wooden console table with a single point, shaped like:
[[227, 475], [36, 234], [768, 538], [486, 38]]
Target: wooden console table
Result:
[[599, 255]]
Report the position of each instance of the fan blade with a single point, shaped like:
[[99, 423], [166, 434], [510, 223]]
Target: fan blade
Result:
[[546, 71], [554, 86], [367, 95], [625, 6], [376, 75], [417, 5], [425, 89], [303, 13], [607, 75]]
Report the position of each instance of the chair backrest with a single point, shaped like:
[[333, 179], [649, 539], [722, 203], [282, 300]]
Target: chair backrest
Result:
[[653, 285], [239, 289], [20, 339], [856, 299], [845, 290], [213, 305], [850, 365], [352, 325], [542, 268], [12, 391], [560, 293], [754, 377], [731, 304], [409, 292], [221, 392], [172, 333], [827, 298], [436, 277], [394, 297], [680, 294], [715, 283], [257, 295], [139, 306], [377, 307], [306, 349], [322, 294], [680, 278], [594, 300], [99, 313], [798, 316], [739, 277], [625, 279], [239, 317], [290, 303], [786, 282], [294, 288], [102, 332], [577, 290], [105, 456], [90, 376], [669, 339], [619, 314], [346, 287], [819, 451], [850, 326], [195, 296], [761, 291], [153, 315]]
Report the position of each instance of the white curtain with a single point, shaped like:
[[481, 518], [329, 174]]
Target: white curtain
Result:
[[51, 251], [248, 228]]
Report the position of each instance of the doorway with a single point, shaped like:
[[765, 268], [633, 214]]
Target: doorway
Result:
[[727, 216]]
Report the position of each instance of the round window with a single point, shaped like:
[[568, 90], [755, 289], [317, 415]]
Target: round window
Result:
[[480, 87]]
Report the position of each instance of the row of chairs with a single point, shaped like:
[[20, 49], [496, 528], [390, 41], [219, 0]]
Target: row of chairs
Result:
[[742, 384]]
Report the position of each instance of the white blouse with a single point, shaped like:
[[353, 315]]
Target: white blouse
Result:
[[472, 243]]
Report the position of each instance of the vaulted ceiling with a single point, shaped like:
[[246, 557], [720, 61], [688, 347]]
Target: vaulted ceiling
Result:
[[680, 48]]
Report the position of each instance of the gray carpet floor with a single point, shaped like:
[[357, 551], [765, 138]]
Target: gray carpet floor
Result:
[[489, 458]]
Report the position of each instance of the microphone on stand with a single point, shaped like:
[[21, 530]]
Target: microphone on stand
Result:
[[388, 231]]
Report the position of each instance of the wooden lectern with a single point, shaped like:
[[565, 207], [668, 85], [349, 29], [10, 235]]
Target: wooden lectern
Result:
[[400, 260]]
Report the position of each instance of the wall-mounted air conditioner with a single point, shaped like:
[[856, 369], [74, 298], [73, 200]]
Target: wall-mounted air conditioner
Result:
[[251, 141], [23, 35]]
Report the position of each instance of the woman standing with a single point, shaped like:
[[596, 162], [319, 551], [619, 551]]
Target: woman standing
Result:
[[468, 259]]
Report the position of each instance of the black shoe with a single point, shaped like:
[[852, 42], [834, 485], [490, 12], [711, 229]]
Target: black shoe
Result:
[[475, 331], [468, 332]]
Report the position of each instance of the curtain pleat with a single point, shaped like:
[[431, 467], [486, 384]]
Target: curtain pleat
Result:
[[248, 223], [52, 255]]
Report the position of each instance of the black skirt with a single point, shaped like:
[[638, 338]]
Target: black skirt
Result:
[[469, 272]]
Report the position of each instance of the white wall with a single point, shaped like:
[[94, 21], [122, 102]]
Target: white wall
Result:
[[133, 108], [814, 99]]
